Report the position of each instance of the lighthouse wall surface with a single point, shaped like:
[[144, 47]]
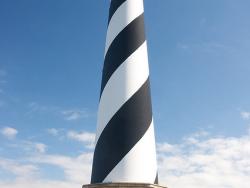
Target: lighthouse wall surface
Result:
[[125, 141]]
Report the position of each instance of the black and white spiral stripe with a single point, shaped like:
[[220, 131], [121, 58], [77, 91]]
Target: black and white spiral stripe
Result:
[[125, 143]]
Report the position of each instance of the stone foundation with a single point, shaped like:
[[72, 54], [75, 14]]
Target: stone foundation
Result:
[[122, 185]]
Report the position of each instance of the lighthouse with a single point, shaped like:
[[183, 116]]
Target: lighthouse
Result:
[[125, 153]]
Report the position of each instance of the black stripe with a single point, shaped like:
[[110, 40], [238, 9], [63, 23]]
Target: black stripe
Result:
[[123, 131], [126, 42], [114, 5], [156, 179]]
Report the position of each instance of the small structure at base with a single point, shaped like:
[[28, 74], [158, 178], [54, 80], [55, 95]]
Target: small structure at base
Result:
[[122, 185]]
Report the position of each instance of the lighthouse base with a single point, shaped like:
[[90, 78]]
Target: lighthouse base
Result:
[[122, 185]]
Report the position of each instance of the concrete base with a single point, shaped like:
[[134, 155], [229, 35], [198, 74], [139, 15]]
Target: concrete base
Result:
[[122, 185]]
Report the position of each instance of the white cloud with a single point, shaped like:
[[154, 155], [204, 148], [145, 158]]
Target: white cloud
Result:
[[206, 47], [219, 162], [75, 114], [23, 171], [245, 115], [37, 183], [166, 148], [28, 147], [85, 137], [33, 147], [82, 136], [29, 175], [40, 147], [53, 131], [199, 161], [69, 114], [76, 169], [35, 107], [9, 132]]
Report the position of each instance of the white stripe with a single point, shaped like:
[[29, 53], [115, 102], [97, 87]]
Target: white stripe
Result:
[[139, 165], [123, 83], [125, 14]]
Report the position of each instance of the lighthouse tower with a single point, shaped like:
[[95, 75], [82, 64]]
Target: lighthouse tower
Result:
[[125, 154]]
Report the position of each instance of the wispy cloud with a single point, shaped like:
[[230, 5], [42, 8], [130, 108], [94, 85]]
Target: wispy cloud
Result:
[[206, 47], [85, 137], [28, 170], [53, 131], [72, 114], [33, 147], [9, 132], [35, 107], [38, 183], [29, 147], [76, 169], [199, 160], [75, 114], [245, 115], [207, 162], [23, 171], [167, 148], [40, 147]]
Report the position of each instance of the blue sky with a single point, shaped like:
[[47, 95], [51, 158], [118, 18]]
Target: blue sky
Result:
[[51, 56]]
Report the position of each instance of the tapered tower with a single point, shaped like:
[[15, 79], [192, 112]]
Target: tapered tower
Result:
[[125, 142]]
